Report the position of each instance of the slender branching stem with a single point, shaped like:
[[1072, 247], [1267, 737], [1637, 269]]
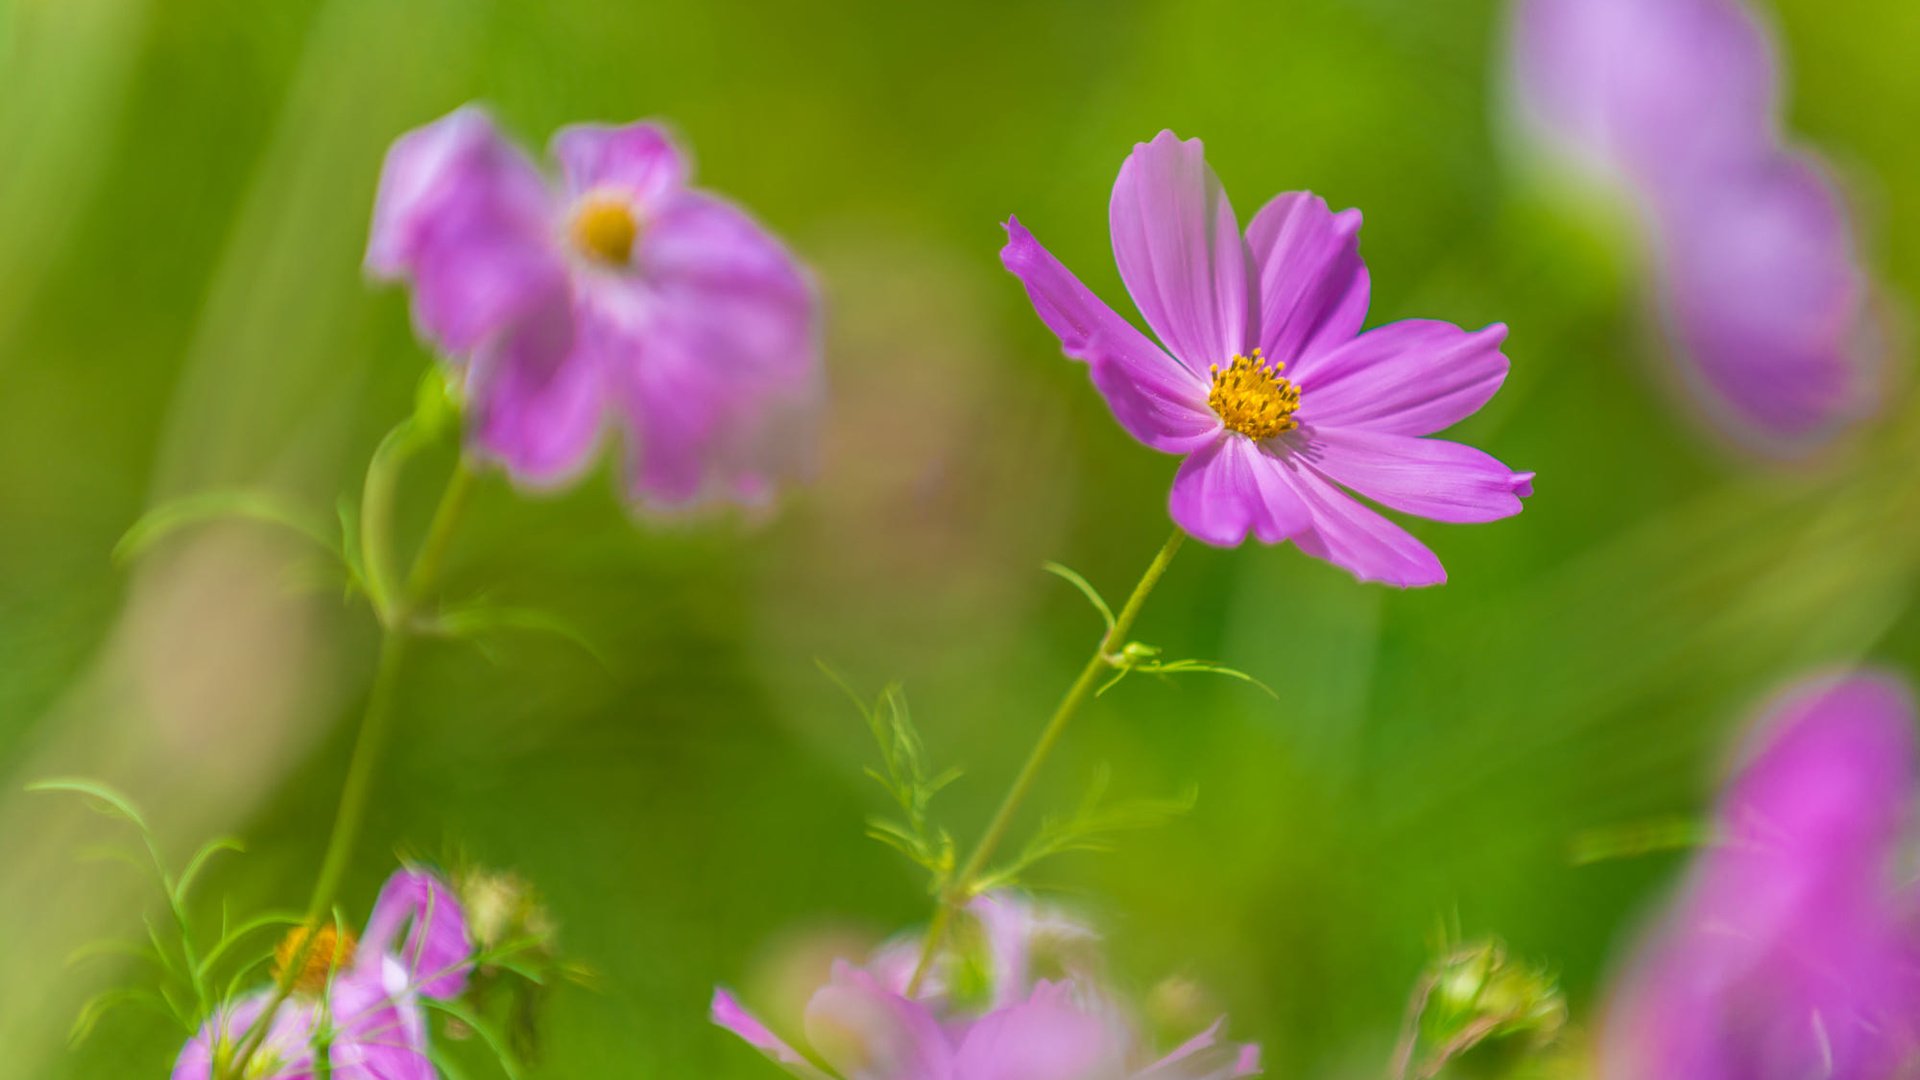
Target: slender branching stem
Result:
[[960, 888]]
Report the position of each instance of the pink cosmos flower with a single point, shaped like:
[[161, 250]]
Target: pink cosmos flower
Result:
[[861, 1026], [361, 1002], [1754, 269], [1266, 383], [1792, 950], [618, 298]]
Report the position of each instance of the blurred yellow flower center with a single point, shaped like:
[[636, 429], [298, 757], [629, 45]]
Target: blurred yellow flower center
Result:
[[331, 950], [1252, 398], [604, 228]]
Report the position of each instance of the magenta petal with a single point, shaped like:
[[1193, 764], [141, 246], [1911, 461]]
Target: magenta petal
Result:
[[1313, 284], [1359, 541], [537, 399], [1205, 1057], [1047, 1037], [380, 1032], [867, 1032], [728, 1013], [1406, 378], [1232, 487], [435, 956], [466, 216], [1155, 397], [1433, 478], [1180, 252], [639, 159], [286, 1050], [1768, 303]]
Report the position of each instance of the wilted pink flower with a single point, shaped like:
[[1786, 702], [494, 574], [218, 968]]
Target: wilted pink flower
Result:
[[360, 1002], [863, 1027], [619, 297], [1673, 102], [1266, 383], [1791, 951]]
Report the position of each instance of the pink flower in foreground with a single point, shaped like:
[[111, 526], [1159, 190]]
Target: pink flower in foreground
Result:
[[1266, 383], [1792, 951], [361, 1001], [1016, 1026], [619, 297]]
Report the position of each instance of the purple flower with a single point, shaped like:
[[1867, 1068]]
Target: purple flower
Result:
[[1757, 281], [618, 297], [362, 1003], [861, 1026], [1266, 382], [1791, 951]]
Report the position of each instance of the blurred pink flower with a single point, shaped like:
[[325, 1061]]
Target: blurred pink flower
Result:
[[362, 1003], [1758, 283], [863, 1027], [1266, 383], [620, 296], [1791, 952]]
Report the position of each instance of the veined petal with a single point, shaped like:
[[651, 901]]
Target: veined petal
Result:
[[1205, 1057], [1313, 285], [1155, 397], [1433, 478], [1232, 487], [538, 398], [1406, 378], [640, 159], [465, 215], [380, 1032], [1359, 541], [1180, 252], [288, 1042], [867, 1032], [728, 1013], [435, 956]]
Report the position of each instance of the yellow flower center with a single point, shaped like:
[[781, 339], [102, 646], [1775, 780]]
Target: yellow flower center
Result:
[[1252, 398], [331, 950], [604, 228]]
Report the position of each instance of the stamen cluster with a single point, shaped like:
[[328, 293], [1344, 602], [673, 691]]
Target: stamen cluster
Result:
[[1253, 398], [604, 229]]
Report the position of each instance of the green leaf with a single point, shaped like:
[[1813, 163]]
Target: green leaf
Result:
[[1093, 826], [1182, 667], [508, 1063], [1072, 577], [480, 619], [107, 801], [171, 517], [199, 861], [97, 1007], [230, 938]]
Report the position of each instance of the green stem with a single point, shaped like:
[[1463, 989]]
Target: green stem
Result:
[[376, 724], [961, 888]]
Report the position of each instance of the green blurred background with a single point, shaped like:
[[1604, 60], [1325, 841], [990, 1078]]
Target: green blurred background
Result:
[[184, 186]]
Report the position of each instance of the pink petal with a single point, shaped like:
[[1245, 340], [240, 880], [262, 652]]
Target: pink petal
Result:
[[1359, 541], [714, 356], [1179, 249], [380, 1032], [1155, 397], [1313, 284], [464, 215], [1047, 1037], [867, 1032], [1433, 478], [435, 956], [538, 399], [1405, 378], [1205, 1057], [1231, 487], [639, 159], [288, 1041], [728, 1013]]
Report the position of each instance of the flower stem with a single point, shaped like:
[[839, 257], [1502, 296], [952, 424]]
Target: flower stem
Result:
[[961, 888], [376, 724]]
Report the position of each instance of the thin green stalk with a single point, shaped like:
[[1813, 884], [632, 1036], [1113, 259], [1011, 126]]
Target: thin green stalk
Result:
[[960, 889], [396, 615]]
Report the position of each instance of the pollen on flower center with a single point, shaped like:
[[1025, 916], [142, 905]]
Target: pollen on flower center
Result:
[[1251, 397], [604, 228], [331, 950]]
